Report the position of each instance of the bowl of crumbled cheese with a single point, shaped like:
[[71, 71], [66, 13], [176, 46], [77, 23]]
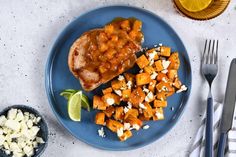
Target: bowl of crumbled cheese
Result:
[[23, 132]]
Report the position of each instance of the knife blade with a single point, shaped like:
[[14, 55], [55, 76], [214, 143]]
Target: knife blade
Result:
[[228, 108]]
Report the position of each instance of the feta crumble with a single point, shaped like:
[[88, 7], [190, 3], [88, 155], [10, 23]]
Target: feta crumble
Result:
[[136, 127], [154, 75], [141, 71], [126, 126], [159, 115], [149, 97], [142, 106], [110, 101], [101, 132], [151, 62], [118, 92], [129, 84], [146, 127], [152, 55], [120, 132], [18, 133], [121, 77], [165, 64], [182, 88], [164, 71], [145, 89]]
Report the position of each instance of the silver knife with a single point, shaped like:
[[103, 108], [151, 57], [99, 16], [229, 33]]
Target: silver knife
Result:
[[228, 109]]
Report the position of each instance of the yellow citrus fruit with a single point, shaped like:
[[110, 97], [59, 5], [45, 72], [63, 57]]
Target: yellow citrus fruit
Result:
[[195, 5]]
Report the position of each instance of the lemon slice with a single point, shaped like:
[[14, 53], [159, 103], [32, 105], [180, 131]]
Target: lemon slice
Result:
[[74, 106], [195, 5]]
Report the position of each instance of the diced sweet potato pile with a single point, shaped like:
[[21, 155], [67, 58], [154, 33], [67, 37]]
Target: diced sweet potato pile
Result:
[[134, 98]]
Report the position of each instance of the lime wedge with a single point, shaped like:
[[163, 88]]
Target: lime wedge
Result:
[[66, 95], [85, 102], [74, 106]]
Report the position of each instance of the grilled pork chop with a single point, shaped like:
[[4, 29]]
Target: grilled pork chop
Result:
[[101, 54]]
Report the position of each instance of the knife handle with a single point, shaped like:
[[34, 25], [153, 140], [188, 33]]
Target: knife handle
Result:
[[209, 129], [221, 145]]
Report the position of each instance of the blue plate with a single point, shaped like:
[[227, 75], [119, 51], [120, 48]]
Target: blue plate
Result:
[[58, 77]]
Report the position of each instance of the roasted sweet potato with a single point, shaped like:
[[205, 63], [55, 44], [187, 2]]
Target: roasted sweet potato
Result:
[[148, 113], [114, 125], [177, 83], [109, 96], [129, 77], [174, 61], [119, 113], [142, 61], [156, 57], [132, 120], [137, 96], [117, 84], [149, 70], [127, 134], [142, 79], [126, 94], [161, 95], [165, 51], [152, 85], [172, 74], [98, 103], [132, 112], [158, 65], [162, 77], [109, 111], [107, 90], [159, 103], [100, 118]]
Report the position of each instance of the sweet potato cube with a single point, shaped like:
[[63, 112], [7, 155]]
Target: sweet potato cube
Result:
[[158, 114], [107, 90], [174, 61], [170, 93], [177, 83], [156, 57], [161, 96], [148, 113], [127, 134], [137, 96], [117, 84], [129, 77], [164, 86], [134, 121], [137, 25], [132, 112], [142, 61], [109, 111], [98, 103], [143, 118], [159, 103], [111, 98], [159, 66], [149, 70], [172, 74], [162, 77], [142, 79], [113, 125], [152, 85], [165, 51], [100, 118], [126, 94], [119, 113]]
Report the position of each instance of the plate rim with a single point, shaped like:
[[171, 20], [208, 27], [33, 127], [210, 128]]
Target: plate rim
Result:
[[48, 85]]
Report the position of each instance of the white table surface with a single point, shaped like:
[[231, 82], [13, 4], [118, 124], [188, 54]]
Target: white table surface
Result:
[[28, 30]]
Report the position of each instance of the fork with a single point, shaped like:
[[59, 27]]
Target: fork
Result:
[[209, 70]]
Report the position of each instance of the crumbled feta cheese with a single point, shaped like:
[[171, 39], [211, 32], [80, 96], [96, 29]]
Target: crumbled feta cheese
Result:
[[164, 88], [120, 132], [159, 115], [2, 140], [164, 79], [38, 119], [7, 152], [14, 147], [149, 97], [164, 71], [1, 131], [146, 127], [101, 132], [136, 126], [118, 92], [28, 150], [34, 130], [129, 84], [141, 71], [126, 126], [129, 105], [142, 106], [182, 88], [165, 64], [172, 108], [13, 124], [126, 109], [145, 89], [12, 114], [110, 101], [121, 77], [154, 75], [2, 120], [151, 62], [39, 140], [19, 116], [158, 49], [160, 44]]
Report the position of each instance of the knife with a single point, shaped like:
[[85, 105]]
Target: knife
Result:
[[228, 109]]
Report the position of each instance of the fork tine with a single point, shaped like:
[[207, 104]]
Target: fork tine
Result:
[[216, 56], [204, 53], [212, 53], [208, 53]]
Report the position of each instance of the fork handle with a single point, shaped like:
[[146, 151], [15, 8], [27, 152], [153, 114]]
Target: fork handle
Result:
[[209, 129], [221, 145]]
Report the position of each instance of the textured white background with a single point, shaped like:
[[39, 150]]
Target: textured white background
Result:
[[28, 30]]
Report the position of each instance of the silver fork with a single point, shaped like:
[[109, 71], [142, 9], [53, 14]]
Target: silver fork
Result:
[[209, 69]]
